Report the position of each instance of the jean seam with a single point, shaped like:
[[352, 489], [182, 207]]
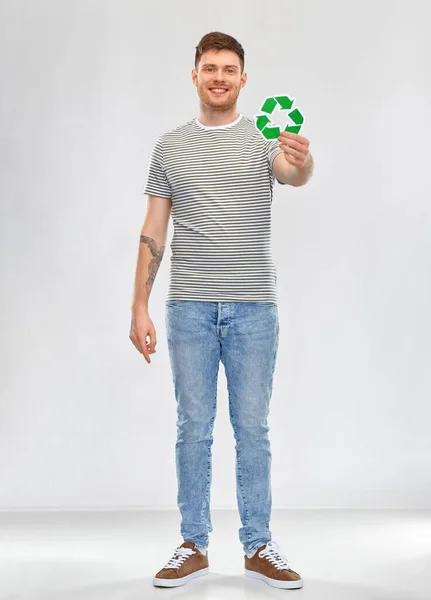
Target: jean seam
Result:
[[208, 483], [238, 460]]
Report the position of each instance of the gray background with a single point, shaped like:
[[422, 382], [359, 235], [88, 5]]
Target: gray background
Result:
[[86, 89]]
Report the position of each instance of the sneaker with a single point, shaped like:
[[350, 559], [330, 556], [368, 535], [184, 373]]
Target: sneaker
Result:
[[187, 563], [269, 565]]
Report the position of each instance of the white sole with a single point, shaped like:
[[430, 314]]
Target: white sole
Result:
[[160, 582], [286, 585]]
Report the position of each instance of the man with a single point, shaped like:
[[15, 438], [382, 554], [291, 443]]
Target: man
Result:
[[216, 172]]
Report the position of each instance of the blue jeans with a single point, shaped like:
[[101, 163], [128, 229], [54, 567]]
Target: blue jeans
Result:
[[244, 336]]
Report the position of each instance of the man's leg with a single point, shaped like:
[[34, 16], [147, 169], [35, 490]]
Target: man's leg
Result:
[[249, 342], [194, 352]]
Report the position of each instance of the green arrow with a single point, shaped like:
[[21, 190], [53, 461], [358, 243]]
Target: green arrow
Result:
[[271, 132], [293, 128], [262, 121], [285, 102], [269, 105], [296, 117]]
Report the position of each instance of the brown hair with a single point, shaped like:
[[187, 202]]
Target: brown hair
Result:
[[219, 41]]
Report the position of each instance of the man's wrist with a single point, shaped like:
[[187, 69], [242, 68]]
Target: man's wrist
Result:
[[300, 175], [140, 306]]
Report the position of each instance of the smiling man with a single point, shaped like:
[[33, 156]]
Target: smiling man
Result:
[[215, 175]]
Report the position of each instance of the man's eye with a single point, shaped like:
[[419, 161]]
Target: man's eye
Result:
[[210, 69]]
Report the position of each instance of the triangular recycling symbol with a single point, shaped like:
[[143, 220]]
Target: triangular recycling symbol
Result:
[[264, 124]]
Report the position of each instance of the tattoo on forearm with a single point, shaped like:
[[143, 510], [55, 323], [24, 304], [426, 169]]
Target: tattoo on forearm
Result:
[[154, 265]]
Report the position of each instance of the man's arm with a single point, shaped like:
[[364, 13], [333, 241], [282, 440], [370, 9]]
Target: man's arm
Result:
[[151, 248], [288, 173]]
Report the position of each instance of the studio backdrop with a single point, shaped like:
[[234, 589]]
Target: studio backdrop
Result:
[[87, 87]]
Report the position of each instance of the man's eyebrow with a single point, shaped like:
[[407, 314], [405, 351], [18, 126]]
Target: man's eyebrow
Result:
[[213, 65]]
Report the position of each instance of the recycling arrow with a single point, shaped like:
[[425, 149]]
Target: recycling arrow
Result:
[[264, 124]]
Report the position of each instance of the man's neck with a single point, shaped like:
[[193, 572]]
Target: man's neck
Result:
[[211, 118]]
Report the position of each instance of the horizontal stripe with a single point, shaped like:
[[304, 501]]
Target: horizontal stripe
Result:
[[221, 182]]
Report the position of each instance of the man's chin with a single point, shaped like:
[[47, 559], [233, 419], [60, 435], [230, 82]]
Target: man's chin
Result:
[[211, 101]]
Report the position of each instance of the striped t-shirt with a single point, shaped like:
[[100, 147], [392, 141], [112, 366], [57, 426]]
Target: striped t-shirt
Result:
[[220, 180]]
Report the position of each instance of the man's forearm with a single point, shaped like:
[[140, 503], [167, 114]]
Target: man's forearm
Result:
[[151, 249], [298, 176]]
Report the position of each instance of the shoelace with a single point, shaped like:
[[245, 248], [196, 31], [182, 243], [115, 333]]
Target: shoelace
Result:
[[182, 554], [273, 554]]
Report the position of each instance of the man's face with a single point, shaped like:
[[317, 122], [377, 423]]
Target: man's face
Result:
[[219, 69]]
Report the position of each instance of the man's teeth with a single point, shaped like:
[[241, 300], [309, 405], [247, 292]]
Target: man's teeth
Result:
[[218, 90]]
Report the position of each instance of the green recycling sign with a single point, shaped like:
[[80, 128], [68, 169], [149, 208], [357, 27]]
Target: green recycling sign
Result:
[[264, 124]]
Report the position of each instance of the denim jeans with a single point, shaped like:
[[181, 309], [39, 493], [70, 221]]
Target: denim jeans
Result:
[[244, 336]]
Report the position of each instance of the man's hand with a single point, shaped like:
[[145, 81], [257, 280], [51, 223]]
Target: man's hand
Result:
[[142, 327], [295, 148]]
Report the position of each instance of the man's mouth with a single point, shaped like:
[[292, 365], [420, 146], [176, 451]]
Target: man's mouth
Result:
[[218, 91]]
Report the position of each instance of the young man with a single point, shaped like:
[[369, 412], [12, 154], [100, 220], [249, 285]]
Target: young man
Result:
[[216, 173]]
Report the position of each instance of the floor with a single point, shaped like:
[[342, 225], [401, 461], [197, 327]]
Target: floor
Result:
[[112, 555]]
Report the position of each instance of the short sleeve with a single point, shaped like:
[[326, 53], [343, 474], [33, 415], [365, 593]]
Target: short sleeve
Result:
[[157, 183], [272, 150]]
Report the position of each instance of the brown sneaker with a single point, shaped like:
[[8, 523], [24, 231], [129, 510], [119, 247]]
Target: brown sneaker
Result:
[[187, 563], [269, 565]]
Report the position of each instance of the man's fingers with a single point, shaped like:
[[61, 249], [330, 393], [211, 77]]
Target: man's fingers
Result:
[[135, 342], [153, 340], [295, 138], [145, 352], [140, 330], [140, 347], [291, 150], [293, 145]]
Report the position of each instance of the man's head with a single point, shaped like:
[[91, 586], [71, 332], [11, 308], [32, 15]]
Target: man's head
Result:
[[219, 63]]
